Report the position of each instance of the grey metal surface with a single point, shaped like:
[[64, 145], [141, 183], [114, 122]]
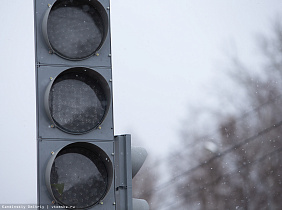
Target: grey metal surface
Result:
[[50, 139], [105, 132], [123, 172], [140, 204], [138, 157], [47, 152], [50, 65], [42, 47], [96, 76], [96, 4]]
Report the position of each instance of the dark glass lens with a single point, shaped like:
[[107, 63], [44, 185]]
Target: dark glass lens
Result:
[[77, 102], [75, 29], [78, 177]]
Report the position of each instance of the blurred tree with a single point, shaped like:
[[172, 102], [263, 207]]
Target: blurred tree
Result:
[[240, 166]]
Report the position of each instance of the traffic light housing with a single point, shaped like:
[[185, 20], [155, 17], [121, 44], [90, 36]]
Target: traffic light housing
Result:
[[138, 157], [73, 53], [81, 164], [74, 104], [75, 30]]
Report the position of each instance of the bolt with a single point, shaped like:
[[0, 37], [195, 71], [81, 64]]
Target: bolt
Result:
[[52, 153], [101, 202], [52, 126], [114, 203], [110, 80], [97, 54], [49, 5], [50, 51], [51, 78], [113, 154], [110, 55], [99, 127], [53, 202], [108, 8]]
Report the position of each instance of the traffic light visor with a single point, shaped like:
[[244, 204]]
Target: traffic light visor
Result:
[[77, 100], [75, 29], [79, 175]]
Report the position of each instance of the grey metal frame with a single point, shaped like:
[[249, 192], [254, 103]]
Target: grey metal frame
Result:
[[94, 148], [96, 4], [123, 172], [45, 128], [106, 86], [43, 56], [119, 196], [51, 140], [47, 150]]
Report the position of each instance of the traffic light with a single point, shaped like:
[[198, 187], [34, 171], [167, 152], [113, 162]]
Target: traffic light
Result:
[[138, 157], [81, 164]]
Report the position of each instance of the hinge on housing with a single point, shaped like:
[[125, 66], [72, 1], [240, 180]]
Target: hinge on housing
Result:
[[121, 187]]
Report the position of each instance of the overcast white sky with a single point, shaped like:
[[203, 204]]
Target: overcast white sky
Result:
[[165, 55]]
